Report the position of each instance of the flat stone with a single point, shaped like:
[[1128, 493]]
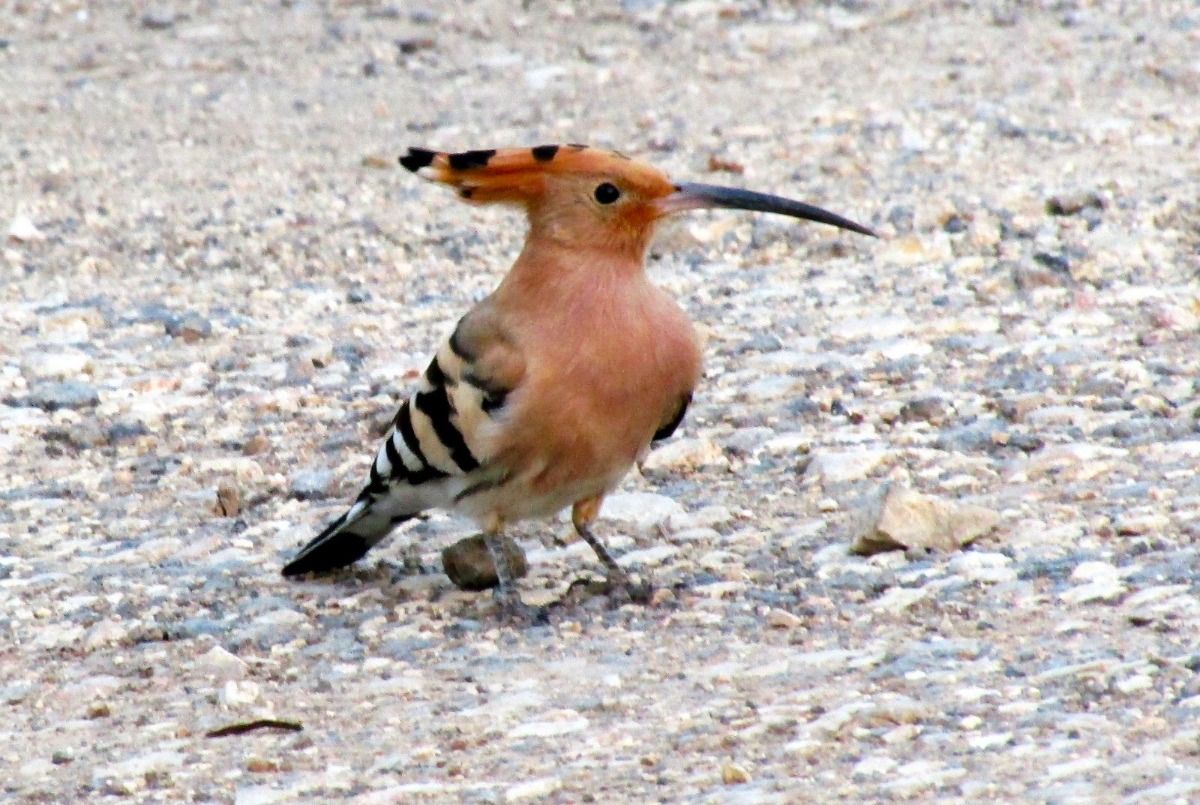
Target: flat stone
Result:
[[22, 230], [831, 467], [191, 327], [56, 364], [683, 455], [904, 519], [222, 664], [641, 511], [531, 789], [312, 484], [69, 394]]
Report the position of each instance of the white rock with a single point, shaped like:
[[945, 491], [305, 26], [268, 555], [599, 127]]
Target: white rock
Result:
[[787, 443], [221, 664], [1135, 683], [992, 740], [921, 775], [898, 599], [235, 693], [563, 724], [836, 720], [641, 511], [134, 769], [1094, 571], [1072, 768], [985, 567], [280, 617], [684, 455], [873, 766], [859, 327], [55, 364], [647, 557], [1101, 590], [782, 619], [22, 230], [709, 517], [1130, 524], [259, 795], [540, 787], [833, 467], [105, 633]]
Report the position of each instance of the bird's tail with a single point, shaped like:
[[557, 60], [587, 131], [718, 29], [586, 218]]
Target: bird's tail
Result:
[[344, 541]]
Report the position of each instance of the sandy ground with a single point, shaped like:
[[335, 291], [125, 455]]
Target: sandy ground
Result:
[[214, 275]]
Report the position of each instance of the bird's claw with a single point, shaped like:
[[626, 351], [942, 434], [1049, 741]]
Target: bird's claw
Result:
[[623, 590], [517, 613]]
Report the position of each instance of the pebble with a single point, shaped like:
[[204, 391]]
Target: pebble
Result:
[[903, 519], [898, 599], [219, 663], [873, 766], [22, 230], [532, 789], [683, 455], [312, 484], [648, 557], [468, 562], [1131, 524], [782, 619], [236, 694], [132, 774], [562, 724], [158, 19], [105, 633], [191, 327], [641, 511], [832, 467], [56, 364], [734, 774], [1075, 201], [70, 394]]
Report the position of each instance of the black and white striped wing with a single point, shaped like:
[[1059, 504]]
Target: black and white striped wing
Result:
[[438, 447]]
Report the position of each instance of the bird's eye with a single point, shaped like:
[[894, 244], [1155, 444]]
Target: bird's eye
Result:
[[607, 193]]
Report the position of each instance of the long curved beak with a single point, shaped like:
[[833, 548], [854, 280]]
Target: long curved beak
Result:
[[695, 196]]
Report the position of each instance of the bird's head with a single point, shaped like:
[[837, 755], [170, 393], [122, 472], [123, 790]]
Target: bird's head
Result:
[[592, 198]]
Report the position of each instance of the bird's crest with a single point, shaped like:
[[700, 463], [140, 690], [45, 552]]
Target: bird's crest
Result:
[[516, 174]]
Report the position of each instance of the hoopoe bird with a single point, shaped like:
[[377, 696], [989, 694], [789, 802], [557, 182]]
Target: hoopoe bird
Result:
[[549, 390]]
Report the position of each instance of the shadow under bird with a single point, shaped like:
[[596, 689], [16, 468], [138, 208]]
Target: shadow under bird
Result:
[[552, 388]]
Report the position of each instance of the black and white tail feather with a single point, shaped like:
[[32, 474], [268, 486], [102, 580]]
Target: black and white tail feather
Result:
[[425, 462]]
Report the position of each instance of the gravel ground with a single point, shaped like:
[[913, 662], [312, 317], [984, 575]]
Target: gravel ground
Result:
[[214, 278]]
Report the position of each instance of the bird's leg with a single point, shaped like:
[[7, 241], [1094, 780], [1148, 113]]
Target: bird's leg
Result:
[[508, 598], [620, 587]]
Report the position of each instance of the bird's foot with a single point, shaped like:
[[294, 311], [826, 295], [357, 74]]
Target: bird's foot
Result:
[[623, 590], [516, 612]]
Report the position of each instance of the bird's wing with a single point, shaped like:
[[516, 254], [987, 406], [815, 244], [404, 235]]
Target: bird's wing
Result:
[[669, 426], [439, 446]]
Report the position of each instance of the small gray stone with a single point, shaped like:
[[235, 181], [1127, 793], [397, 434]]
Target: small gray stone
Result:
[[158, 19], [468, 563], [744, 441], [81, 435], [836, 466], [70, 394], [763, 342], [1073, 202], [927, 409], [313, 484], [120, 432], [191, 327]]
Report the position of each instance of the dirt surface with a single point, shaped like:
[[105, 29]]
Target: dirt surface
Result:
[[215, 278]]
